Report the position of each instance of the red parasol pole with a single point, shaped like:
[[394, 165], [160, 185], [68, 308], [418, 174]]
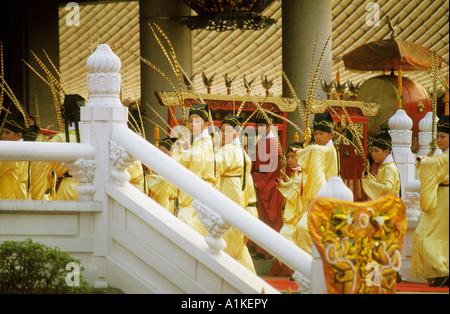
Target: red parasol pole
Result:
[[399, 91], [446, 98]]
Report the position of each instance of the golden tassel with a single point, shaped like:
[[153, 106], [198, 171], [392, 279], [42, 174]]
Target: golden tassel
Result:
[[156, 124], [156, 133], [156, 136]]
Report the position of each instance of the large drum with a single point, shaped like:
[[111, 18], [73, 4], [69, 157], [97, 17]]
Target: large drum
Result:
[[383, 90]]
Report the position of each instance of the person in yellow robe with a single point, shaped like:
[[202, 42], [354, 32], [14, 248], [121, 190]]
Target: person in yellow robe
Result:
[[386, 180], [319, 162], [233, 167], [137, 177], [41, 182], [430, 258], [250, 197], [291, 191], [159, 189], [13, 174], [198, 158], [66, 184]]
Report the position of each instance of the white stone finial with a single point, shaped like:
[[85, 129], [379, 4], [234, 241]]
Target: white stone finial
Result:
[[400, 125], [425, 125], [104, 60], [425, 135], [104, 80], [336, 189], [216, 226], [400, 121]]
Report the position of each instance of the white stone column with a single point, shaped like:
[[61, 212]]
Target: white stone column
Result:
[[413, 212], [103, 110], [400, 125], [400, 130], [425, 135]]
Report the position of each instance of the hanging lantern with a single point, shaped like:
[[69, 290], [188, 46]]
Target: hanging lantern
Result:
[[228, 15]]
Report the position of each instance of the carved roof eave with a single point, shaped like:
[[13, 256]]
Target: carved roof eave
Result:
[[368, 109], [283, 104]]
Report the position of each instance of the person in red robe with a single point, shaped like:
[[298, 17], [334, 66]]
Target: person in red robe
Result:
[[265, 170]]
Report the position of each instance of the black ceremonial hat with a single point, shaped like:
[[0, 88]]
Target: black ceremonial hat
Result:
[[260, 118], [323, 122], [442, 124], [72, 105], [200, 109], [31, 133], [295, 145], [385, 125], [234, 121], [168, 142], [15, 123], [382, 140]]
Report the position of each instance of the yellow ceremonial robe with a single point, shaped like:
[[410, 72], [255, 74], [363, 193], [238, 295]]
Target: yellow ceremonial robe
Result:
[[250, 196], [40, 180], [293, 209], [199, 159], [13, 179], [162, 191], [430, 258], [137, 179], [386, 182], [66, 190], [230, 175], [318, 163]]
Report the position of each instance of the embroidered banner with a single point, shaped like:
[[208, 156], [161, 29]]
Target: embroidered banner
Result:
[[360, 243]]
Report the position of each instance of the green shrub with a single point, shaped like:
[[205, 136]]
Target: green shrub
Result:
[[28, 267]]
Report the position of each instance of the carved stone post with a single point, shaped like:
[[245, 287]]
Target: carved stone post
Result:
[[102, 111], [120, 160], [83, 171], [214, 224], [400, 130], [400, 126], [412, 196], [425, 135]]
